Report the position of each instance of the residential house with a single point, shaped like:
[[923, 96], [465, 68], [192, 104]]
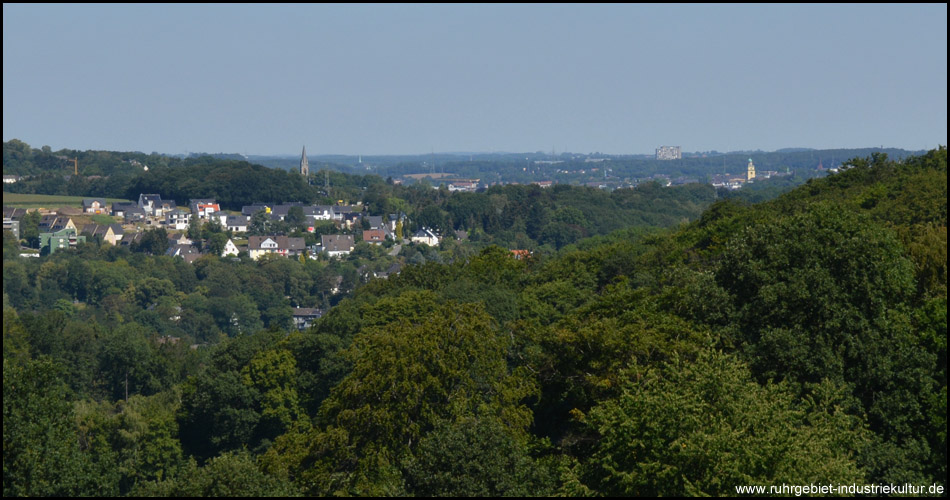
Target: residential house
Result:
[[425, 236], [67, 237], [350, 219], [374, 236], [118, 232], [120, 207], [521, 254], [204, 208], [186, 252], [395, 219], [128, 211], [13, 226], [107, 233], [336, 245], [150, 203], [375, 222], [94, 205], [177, 219], [221, 217], [365, 272], [11, 220], [10, 179], [236, 223], [154, 206], [179, 239], [339, 211], [250, 210], [319, 212], [728, 182], [279, 212], [230, 249], [131, 238], [54, 223], [305, 316], [166, 206], [13, 213], [466, 185], [393, 270], [258, 246]]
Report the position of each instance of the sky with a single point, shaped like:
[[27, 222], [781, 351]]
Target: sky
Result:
[[413, 79]]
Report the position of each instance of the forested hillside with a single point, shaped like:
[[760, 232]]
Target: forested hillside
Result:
[[799, 340]]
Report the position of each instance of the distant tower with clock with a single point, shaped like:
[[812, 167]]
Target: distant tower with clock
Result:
[[751, 174]]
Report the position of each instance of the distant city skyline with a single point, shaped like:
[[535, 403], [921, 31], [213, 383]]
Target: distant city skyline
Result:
[[417, 78]]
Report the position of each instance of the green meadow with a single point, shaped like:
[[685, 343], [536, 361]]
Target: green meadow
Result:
[[21, 200]]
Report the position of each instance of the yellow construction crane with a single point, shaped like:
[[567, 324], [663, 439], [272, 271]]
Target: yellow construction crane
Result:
[[74, 161]]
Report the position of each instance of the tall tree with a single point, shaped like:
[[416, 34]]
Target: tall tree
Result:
[[696, 428], [41, 454]]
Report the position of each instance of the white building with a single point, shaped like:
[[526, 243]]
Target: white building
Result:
[[258, 246], [230, 249], [204, 208], [425, 236], [669, 153], [337, 245], [236, 223], [177, 219]]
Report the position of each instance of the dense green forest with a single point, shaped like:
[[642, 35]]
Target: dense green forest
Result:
[[797, 340]]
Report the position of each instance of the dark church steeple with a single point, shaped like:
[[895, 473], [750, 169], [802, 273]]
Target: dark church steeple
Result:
[[304, 164]]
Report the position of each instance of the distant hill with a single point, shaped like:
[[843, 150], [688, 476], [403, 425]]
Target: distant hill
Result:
[[612, 171], [793, 150]]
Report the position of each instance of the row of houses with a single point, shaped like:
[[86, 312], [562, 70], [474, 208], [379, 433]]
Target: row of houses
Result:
[[380, 228], [64, 233], [259, 246], [61, 238], [152, 206], [344, 215], [149, 205]]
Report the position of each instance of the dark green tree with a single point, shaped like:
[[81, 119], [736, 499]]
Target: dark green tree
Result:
[[259, 224], [130, 365], [295, 218], [41, 452], [194, 231], [153, 242], [232, 474], [476, 457], [216, 243], [824, 294], [29, 228], [406, 378], [218, 413], [696, 428]]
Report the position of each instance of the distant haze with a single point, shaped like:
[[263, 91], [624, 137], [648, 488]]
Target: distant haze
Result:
[[413, 79]]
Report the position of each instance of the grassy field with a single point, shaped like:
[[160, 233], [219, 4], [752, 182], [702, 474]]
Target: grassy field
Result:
[[19, 200]]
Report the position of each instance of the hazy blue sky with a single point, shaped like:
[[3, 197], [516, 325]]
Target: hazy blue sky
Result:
[[407, 79]]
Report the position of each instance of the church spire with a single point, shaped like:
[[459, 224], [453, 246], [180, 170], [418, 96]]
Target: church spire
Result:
[[304, 164]]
